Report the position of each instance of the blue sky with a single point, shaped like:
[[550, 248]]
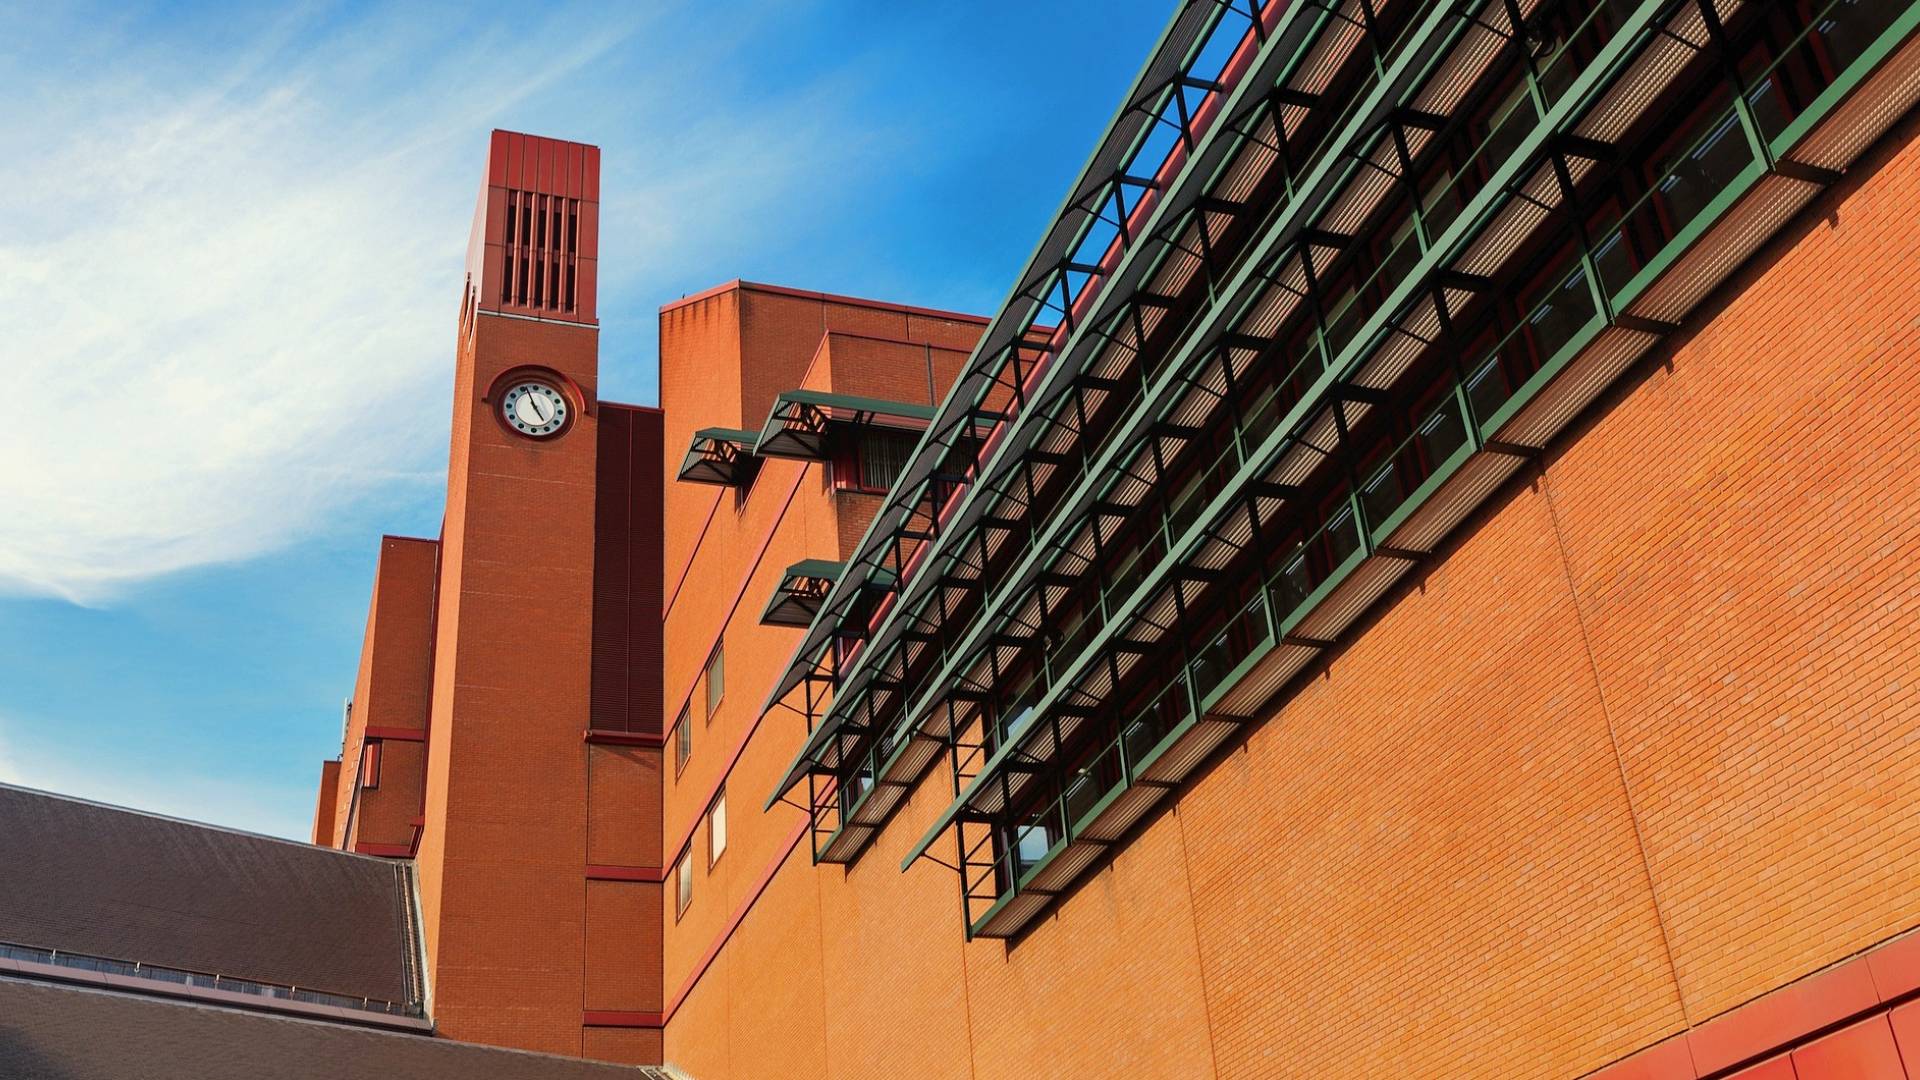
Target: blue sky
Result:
[[230, 255]]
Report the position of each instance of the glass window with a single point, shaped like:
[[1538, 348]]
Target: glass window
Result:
[[1712, 152], [717, 828], [1559, 305], [683, 882], [682, 741], [370, 765], [883, 456], [716, 679]]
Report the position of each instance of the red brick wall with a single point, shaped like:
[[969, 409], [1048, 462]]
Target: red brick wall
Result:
[[506, 815], [624, 788], [740, 547], [390, 693], [636, 1046], [503, 850], [1640, 747], [707, 328], [323, 822]]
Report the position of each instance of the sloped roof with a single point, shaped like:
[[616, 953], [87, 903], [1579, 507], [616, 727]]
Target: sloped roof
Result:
[[123, 885], [54, 1032]]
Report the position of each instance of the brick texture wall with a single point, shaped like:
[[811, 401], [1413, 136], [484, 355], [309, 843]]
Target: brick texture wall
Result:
[[390, 692], [1641, 746], [502, 854]]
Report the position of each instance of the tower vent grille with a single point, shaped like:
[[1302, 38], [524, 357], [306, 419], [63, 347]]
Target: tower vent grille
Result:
[[542, 250]]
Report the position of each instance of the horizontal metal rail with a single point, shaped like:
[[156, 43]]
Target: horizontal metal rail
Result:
[[1631, 313], [173, 976], [1156, 89], [1255, 87], [1328, 177]]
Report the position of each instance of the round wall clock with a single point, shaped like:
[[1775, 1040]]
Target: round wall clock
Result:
[[534, 408]]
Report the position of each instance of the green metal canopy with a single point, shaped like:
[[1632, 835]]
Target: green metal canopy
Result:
[[722, 456], [796, 600], [802, 421]]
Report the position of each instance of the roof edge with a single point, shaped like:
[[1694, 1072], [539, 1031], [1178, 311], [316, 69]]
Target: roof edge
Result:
[[304, 845], [742, 285]]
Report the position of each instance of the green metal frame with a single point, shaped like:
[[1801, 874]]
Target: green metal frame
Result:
[[796, 600], [721, 456], [1331, 170], [1765, 155], [801, 421], [1409, 50]]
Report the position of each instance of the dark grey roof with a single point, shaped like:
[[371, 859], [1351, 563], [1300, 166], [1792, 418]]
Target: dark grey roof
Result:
[[54, 1032], [82, 877]]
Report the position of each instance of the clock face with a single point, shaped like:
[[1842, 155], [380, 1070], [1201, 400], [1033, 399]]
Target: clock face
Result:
[[534, 408]]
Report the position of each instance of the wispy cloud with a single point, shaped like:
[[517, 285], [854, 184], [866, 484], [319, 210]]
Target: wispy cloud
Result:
[[227, 288]]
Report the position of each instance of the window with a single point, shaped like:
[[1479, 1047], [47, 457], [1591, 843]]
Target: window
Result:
[[682, 741], [883, 456], [872, 459], [683, 882], [717, 828], [716, 679], [370, 765]]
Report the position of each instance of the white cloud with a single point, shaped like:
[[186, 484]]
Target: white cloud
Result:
[[227, 288]]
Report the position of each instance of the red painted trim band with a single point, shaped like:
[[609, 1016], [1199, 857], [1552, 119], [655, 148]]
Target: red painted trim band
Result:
[[888, 340], [1866, 984], [739, 916], [618, 1019], [396, 734], [604, 402], [606, 872], [623, 738], [687, 567]]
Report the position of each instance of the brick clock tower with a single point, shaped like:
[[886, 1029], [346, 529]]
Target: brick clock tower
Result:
[[541, 634]]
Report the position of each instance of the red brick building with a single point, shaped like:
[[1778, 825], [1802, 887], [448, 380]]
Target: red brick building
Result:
[[1418, 579]]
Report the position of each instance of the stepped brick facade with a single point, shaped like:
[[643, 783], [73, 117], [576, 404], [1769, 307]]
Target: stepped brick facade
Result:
[[1420, 578]]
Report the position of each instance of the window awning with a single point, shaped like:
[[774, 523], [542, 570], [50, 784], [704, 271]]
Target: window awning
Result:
[[802, 421], [721, 456], [796, 600]]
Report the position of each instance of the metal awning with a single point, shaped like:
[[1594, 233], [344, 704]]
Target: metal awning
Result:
[[721, 456], [1015, 338], [802, 421], [796, 600], [1108, 193]]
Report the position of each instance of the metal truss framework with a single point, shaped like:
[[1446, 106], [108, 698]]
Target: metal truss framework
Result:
[[1184, 246], [803, 423], [1742, 171], [721, 456], [1255, 496], [796, 600]]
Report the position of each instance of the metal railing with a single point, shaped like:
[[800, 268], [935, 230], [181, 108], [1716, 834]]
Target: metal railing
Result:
[[204, 980], [1722, 155]]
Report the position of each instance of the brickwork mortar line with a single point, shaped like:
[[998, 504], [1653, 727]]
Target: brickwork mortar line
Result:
[[820, 935], [1613, 740], [1193, 921]]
